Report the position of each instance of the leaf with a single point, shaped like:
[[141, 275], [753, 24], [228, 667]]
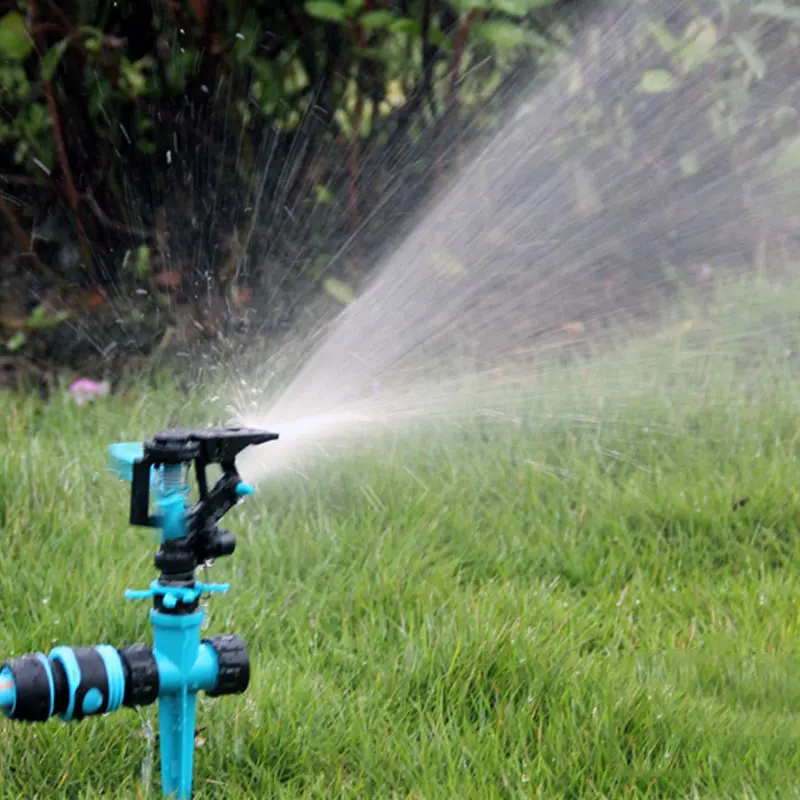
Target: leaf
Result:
[[395, 93], [664, 37], [15, 342], [703, 39], [51, 60], [656, 81], [376, 19], [409, 26], [327, 10], [447, 264], [54, 320], [323, 194], [789, 159], [134, 77], [501, 34], [92, 34], [464, 6], [37, 315], [339, 290], [15, 41], [776, 9], [690, 164], [751, 56], [142, 261], [94, 44], [518, 8], [353, 6]]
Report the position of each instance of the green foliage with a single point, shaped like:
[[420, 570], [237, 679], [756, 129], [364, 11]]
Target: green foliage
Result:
[[707, 100], [655, 81], [39, 319], [777, 9], [16, 342], [339, 291], [112, 92], [15, 41], [328, 10], [94, 71]]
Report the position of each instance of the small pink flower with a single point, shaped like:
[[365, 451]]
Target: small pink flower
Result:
[[85, 389]]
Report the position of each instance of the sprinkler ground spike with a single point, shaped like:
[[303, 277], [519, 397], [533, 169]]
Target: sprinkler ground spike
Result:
[[77, 682]]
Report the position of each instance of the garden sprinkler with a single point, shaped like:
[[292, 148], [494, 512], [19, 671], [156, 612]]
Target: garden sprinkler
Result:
[[77, 682]]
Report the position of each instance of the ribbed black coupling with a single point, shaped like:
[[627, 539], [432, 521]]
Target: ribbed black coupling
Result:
[[234, 664], [141, 675]]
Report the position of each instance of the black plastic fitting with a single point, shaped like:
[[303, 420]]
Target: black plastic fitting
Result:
[[234, 664], [141, 675], [35, 701]]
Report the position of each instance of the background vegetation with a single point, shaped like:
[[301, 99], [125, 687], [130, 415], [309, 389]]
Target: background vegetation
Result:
[[177, 153], [197, 170]]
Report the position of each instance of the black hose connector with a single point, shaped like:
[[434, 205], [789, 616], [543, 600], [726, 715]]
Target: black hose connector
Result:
[[234, 664], [141, 675], [36, 687]]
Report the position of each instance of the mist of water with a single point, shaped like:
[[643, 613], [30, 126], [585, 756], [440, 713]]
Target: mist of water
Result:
[[557, 239]]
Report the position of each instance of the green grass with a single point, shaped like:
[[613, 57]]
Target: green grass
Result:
[[515, 610]]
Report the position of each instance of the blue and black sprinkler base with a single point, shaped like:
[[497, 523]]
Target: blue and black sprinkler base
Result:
[[77, 682]]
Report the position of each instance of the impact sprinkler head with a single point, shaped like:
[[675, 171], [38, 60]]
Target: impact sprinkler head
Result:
[[190, 534], [77, 682]]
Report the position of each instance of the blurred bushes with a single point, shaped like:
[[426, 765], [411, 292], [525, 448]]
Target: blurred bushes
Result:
[[165, 164], [203, 152]]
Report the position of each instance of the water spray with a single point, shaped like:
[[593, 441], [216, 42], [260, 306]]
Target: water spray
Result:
[[77, 682]]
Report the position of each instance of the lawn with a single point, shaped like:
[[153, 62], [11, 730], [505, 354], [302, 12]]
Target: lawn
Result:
[[593, 607]]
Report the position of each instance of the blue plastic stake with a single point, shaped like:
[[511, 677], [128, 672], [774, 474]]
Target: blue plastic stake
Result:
[[184, 669]]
